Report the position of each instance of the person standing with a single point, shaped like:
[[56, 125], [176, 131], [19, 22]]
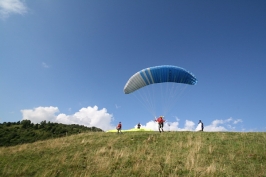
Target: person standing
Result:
[[139, 125], [160, 121], [202, 126], [119, 127]]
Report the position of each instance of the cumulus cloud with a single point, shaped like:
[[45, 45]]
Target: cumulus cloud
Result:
[[215, 126], [222, 125], [93, 116], [90, 116], [39, 114], [170, 126], [8, 7]]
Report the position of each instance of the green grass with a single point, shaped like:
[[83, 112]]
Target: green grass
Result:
[[139, 154]]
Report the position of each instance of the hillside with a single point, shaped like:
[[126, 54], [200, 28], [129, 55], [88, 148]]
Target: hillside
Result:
[[15, 133], [139, 154]]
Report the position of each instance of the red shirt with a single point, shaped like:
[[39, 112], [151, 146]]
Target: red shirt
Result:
[[160, 120], [119, 125]]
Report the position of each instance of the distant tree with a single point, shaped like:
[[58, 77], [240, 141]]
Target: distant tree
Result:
[[12, 134], [25, 123], [36, 126], [43, 124]]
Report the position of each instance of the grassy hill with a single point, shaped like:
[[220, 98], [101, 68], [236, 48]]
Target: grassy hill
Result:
[[139, 154]]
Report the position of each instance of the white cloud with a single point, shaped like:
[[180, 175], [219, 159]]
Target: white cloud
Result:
[[237, 121], [170, 126], [8, 7], [189, 125], [39, 114], [222, 125], [45, 65], [90, 116], [215, 126], [117, 107]]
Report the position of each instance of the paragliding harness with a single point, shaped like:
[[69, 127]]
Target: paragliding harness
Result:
[[119, 126], [160, 120], [160, 123]]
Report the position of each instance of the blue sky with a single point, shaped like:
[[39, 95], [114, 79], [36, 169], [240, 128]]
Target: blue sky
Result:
[[68, 61]]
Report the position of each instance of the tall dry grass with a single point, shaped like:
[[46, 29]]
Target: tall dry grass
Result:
[[139, 154]]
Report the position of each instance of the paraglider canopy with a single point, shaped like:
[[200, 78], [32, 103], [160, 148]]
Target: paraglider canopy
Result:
[[164, 83], [158, 74]]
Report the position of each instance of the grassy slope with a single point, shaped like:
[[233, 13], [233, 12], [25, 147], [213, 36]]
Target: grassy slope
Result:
[[139, 154]]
